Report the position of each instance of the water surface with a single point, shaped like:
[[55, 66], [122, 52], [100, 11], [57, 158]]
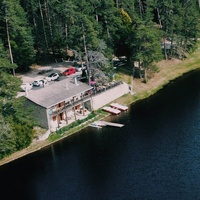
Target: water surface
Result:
[[156, 155]]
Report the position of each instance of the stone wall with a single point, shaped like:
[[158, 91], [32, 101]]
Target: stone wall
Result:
[[39, 113]]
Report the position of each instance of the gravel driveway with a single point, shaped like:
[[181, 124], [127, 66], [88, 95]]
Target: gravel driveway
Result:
[[41, 72]]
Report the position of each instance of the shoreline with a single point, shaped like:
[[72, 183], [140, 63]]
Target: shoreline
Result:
[[169, 71]]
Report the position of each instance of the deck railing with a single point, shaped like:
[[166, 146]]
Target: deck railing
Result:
[[104, 88], [95, 91]]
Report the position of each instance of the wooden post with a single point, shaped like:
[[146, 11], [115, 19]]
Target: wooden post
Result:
[[66, 117], [57, 120], [9, 46], [74, 109], [86, 54]]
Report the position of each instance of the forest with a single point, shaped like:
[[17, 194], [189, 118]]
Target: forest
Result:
[[40, 31]]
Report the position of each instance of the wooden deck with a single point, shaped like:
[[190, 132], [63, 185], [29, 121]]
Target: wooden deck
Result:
[[111, 110], [119, 106]]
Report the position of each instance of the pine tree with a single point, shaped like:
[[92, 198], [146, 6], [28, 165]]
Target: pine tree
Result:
[[188, 32], [7, 139], [12, 111], [14, 22], [147, 48]]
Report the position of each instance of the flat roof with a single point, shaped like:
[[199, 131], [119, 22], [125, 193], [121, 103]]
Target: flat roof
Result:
[[56, 92]]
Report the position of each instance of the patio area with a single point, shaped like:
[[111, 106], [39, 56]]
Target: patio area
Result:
[[72, 117]]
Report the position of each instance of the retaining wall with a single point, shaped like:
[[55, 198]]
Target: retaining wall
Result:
[[109, 95]]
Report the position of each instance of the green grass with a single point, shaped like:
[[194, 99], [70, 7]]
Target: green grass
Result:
[[166, 74]]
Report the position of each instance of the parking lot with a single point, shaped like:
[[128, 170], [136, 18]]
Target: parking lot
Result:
[[38, 72]]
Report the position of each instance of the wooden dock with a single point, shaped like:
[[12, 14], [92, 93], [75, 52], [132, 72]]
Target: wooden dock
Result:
[[111, 110], [110, 124], [119, 106]]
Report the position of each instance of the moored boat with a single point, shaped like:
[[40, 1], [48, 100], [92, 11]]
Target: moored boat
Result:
[[95, 125]]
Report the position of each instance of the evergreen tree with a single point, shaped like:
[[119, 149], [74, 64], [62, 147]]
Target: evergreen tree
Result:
[[147, 47], [57, 24], [179, 25], [65, 14], [13, 114], [7, 139], [125, 29], [108, 20], [14, 25], [188, 32]]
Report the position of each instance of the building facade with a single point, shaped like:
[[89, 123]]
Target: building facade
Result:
[[65, 101]]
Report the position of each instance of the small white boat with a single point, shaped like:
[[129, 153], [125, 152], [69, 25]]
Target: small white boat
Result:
[[100, 123], [95, 125]]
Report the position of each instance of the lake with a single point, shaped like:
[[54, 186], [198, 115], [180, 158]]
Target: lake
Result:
[[156, 155]]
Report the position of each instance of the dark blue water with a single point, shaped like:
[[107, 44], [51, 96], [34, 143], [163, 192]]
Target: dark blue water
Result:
[[156, 155]]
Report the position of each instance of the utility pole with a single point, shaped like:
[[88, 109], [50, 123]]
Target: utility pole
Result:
[[117, 4], [9, 46], [86, 54]]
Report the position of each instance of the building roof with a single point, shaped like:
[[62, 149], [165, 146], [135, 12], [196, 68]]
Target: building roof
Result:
[[57, 92]]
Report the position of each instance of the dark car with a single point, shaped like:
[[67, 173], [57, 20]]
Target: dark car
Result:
[[80, 67], [39, 83], [69, 71]]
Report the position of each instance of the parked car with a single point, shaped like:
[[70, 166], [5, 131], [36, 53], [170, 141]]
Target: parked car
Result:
[[69, 71], [119, 63], [53, 77], [80, 67], [26, 86], [39, 83]]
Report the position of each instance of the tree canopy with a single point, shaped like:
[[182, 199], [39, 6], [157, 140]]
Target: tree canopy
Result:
[[45, 29], [16, 123]]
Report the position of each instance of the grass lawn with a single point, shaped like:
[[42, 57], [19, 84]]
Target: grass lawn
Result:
[[168, 71]]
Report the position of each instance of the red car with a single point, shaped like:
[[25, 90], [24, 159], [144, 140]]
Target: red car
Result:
[[70, 70]]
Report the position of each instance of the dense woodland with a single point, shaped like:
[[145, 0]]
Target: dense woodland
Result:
[[40, 31]]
